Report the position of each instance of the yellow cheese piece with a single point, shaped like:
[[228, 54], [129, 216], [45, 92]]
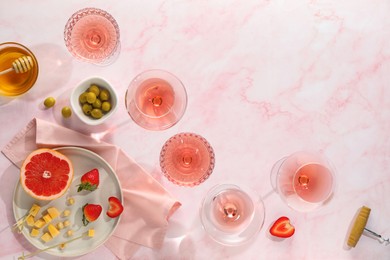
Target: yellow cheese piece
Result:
[[47, 218], [34, 232], [91, 232], [34, 210], [53, 212], [39, 223], [30, 221], [46, 237], [53, 231]]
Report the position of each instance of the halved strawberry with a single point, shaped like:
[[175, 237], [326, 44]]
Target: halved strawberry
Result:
[[91, 212], [282, 228], [89, 181], [116, 207]]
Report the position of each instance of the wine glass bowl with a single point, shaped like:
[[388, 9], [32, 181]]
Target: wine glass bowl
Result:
[[304, 180], [156, 99], [187, 159], [92, 35], [232, 215]]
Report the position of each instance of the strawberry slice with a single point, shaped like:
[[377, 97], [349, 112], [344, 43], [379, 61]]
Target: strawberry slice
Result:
[[282, 228], [116, 207], [89, 181], [91, 212]]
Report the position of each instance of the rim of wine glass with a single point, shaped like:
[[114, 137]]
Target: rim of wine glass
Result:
[[329, 165], [30, 53], [206, 174], [81, 14], [259, 208]]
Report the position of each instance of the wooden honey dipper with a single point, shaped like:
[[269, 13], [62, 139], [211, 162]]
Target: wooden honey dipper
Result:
[[20, 65], [359, 226]]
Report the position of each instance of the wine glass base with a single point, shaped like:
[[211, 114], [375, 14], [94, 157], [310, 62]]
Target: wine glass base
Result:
[[232, 236], [274, 173]]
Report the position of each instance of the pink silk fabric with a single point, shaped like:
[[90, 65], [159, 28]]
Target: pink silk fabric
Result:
[[147, 205]]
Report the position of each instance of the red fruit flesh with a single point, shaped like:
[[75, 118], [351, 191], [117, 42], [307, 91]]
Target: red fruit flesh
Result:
[[282, 228], [91, 212], [116, 207], [89, 181]]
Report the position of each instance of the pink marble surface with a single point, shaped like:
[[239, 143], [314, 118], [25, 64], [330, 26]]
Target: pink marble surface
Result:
[[264, 79]]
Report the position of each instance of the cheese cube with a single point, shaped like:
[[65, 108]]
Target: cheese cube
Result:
[[30, 221], [47, 218], [46, 237], [53, 231], [53, 212], [34, 232], [91, 232], [34, 210], [39, 223]]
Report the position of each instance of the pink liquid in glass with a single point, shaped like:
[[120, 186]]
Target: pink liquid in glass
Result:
[[155, 97], [313, 182], [232, 210], [92, 34], [187, 159]]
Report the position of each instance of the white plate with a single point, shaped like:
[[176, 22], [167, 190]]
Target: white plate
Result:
[[83, 161]]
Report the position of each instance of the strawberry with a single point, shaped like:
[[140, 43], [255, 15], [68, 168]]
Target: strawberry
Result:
[[116, 207], [282, 228], [89, 181], [91, 212]]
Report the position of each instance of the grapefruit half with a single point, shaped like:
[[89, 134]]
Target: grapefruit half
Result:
[[46, 174]]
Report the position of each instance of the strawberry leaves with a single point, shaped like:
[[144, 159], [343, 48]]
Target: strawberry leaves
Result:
[[89, 181]]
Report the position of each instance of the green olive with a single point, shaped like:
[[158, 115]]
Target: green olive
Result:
[[96, 113], [104, 95], [66, 112], [87, 108], [91, 97], [106, 106], [83, 98], [95, 89], [97, 103], [49, 102]]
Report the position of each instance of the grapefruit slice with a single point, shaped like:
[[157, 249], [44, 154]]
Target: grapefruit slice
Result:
[[46, 174]]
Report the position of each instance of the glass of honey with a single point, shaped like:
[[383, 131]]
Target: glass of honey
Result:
[[12, 83]]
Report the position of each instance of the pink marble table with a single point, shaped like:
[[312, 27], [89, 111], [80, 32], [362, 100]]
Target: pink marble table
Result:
[[264, 79]]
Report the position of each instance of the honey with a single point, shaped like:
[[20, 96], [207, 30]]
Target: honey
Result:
[[12, 83]]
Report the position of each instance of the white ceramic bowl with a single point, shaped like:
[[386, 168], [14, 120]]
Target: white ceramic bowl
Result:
[[81, 88]]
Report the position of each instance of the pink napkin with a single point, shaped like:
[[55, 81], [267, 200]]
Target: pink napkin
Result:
[[147, 204]]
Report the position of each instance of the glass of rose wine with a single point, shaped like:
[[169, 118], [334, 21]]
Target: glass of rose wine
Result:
[[92, 35], [156, 99], [304, 180], [232, 215], [187, 159]]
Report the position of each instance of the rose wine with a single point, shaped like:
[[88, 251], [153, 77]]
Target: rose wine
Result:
[[155, 97], [232, 215], [187, 159], [232, 210], [304, 180], [12, 83], [92, 34], [313, 182]]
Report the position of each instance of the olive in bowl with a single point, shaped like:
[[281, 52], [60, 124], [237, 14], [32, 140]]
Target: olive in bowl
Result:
[[94, 100]]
